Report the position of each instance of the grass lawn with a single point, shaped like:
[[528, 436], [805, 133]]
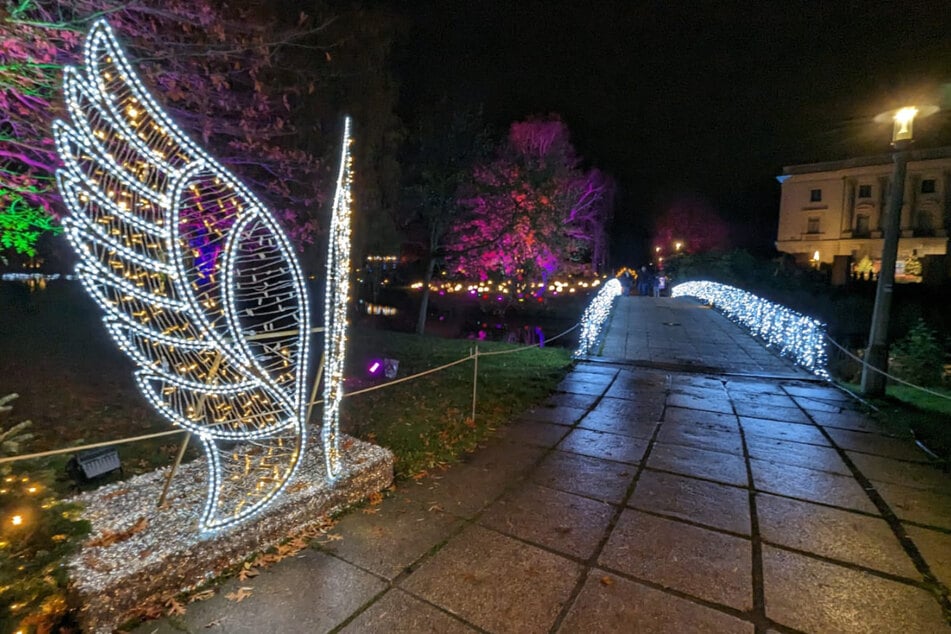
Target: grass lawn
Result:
[[927, 415], [427, 422]]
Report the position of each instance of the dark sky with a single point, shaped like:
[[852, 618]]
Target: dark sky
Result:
[[674, 98]]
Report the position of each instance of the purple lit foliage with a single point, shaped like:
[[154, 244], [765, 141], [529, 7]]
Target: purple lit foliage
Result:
[[532, 211], [223, 73]]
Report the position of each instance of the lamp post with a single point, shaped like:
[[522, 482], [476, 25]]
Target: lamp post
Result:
[[876, 354]]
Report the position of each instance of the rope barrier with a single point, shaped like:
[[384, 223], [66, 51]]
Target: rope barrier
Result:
[[408, 378], [524, 348], [121, 441], [95, 445], [886, 374]]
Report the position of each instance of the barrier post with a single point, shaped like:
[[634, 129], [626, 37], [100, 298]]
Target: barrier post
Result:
[[475, 381]]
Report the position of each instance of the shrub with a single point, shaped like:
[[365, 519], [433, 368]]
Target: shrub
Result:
[[919, 357], [37, 532]]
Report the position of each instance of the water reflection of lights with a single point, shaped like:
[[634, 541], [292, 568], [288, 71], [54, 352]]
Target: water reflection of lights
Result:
[[34, 281], [377, 309]]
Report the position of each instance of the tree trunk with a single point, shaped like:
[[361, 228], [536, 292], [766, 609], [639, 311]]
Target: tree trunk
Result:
[[424, 301]]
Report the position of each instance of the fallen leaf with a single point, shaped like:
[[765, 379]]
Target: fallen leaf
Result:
[[204, 595], [297, 486], [435, 508], [240, 594], [115, 494], [175, 607], [247, 573], [375, 498], [109, 538], [607, 581], [371, 511]]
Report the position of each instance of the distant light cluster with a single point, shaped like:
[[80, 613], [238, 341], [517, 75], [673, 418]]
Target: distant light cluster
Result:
[[796, 336], [507, 287], [595, 315]]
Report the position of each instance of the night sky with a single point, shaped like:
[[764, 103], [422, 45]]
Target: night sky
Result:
[[708, 99]]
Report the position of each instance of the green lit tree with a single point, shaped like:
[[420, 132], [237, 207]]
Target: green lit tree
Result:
[[919, 356], [256, 84]]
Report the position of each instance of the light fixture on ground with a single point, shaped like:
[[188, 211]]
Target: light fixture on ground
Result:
[[876, 354]]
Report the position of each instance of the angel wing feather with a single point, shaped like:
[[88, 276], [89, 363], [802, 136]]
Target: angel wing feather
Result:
[[194, 275]]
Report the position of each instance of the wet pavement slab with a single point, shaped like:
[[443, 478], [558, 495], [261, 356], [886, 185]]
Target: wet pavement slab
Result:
[[718, 489]]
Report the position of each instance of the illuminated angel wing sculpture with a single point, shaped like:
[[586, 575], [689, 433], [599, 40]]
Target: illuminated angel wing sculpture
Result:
[[199, 285]]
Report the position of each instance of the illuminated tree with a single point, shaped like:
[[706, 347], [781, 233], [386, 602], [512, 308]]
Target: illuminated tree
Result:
[[532, 211], [693, 223], [913, 265], [255, 85]]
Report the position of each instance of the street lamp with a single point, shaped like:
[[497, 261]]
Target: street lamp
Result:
[[876, 353]]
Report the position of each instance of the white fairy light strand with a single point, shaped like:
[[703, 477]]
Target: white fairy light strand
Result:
[[792, 334], [336, 296], [188, 267], [594, 316]]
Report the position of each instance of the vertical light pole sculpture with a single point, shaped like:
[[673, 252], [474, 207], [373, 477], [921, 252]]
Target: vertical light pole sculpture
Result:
[[876, 354], [336, 298]]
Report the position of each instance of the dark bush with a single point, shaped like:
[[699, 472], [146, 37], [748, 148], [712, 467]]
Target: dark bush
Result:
[[919, 356]]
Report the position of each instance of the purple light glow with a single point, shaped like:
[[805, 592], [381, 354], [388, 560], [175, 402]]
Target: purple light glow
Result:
[[374, 367]]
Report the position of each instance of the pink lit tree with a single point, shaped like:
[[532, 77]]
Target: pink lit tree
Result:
[[694, 224], [532, 211]]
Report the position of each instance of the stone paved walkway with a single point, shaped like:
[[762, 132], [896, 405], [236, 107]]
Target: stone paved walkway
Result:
[[685, 482]]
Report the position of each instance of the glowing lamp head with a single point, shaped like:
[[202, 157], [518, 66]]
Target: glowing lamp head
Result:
[[374, 368], [17, 520], [904, 120], [815, 256], [678, 245]]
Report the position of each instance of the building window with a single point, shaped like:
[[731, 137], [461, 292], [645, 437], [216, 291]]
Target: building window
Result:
[[815, 196], [865, 191], [813, 225], [927, 186], [861, 226]]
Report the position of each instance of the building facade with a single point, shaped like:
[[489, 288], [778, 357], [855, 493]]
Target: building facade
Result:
[[837, 208]]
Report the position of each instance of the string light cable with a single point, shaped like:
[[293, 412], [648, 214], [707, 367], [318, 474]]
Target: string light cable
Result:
[[595, 316], [792, 334]]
